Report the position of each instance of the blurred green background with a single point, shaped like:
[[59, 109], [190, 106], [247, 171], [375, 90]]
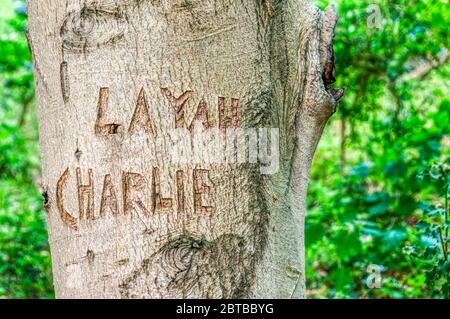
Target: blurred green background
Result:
[[377, 222]]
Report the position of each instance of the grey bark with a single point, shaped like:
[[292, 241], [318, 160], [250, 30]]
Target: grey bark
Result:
[[113, 77]]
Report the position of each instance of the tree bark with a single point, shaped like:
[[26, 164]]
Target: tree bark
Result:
[[115, 79]]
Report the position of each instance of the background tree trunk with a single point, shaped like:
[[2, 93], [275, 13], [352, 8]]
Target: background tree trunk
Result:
[[114, 78]]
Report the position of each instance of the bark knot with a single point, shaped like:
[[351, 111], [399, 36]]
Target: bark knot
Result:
[[329, 21]]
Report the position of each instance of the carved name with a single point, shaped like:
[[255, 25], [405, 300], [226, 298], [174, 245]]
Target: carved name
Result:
[[139, 195], [142, 119], [136, 192]]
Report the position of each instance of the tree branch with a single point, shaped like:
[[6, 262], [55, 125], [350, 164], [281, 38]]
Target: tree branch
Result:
[[424, 69]]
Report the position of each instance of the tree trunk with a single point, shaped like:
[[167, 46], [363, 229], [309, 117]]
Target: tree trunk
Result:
[[176, 138]]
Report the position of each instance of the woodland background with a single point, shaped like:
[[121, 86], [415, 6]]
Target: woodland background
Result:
[[378, 202]]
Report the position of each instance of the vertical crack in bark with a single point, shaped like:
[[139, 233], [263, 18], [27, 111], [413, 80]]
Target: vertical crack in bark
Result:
[[329, 21], [46, 199], [316, 51], [317, 103]]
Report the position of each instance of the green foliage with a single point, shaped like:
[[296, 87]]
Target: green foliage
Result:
[[369, 207], [431, 248], [24, 253]]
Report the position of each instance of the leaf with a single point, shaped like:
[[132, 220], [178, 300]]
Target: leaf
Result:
[[394, 238], [314, 232], [379, 209]]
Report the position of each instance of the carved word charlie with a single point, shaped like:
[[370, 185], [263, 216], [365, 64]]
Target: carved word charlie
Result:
[[133, 199]]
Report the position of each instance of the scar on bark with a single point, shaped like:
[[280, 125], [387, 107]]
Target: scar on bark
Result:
[[330, 19], [90, 256], [78, 154], [65, 86], [122, 262], [66, 217], [189, 266], [94, 26], [46, 199], [126, 287]]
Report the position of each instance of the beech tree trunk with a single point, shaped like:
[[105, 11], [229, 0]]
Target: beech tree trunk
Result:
[[128, 217]]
